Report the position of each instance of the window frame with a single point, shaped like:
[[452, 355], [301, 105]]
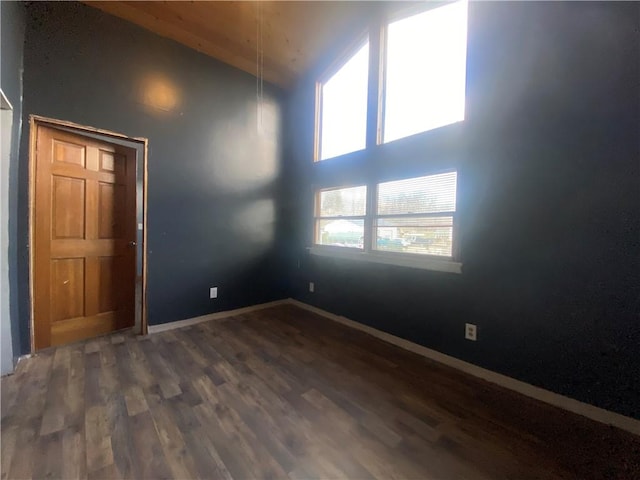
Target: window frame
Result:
[[369, 252], [317, 217], [328, 73], [393, 16], [377, 37], [453, 214]]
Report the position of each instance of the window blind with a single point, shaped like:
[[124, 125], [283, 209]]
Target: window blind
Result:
[[431, 194], [343, 202]]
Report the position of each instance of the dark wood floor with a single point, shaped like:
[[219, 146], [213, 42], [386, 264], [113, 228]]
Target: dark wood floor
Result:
[[283, 393]]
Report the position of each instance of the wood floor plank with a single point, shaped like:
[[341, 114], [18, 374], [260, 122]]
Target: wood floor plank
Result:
[[206, 457], [265, 431], [216, 438], [98, 438], [49, 454], [178, 458], [139, 365], [28, 412], [7, 449], [55, 408], [108, 472], [261, 464], [283, 393], [73, 454], [162, 367], [135, 400], [148, 455], [121, 438], [24, 452], [8, 394], [74, 394]]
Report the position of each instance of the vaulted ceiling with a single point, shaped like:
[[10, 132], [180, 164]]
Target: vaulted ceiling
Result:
[[280, 40]]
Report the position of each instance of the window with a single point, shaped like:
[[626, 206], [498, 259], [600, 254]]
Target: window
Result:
[[419, 64], [411, 219], [423, 65], [343, 109], [340, 215], [416, 215], [425, 71]]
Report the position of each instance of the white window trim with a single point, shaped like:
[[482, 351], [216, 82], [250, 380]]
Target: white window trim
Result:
[[388, 258]]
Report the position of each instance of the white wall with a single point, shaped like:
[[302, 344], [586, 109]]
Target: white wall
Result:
[[6, 124]]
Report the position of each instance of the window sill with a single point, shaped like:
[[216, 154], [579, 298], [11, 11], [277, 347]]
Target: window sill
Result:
[[398, 259]]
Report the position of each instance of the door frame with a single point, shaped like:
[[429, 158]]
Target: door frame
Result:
[[36, 121]]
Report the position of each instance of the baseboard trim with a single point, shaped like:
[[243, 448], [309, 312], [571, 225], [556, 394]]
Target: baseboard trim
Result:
[[16, 361], [575, 406], [214, 316]]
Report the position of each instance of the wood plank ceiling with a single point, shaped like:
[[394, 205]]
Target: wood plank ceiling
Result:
[[292, 36]]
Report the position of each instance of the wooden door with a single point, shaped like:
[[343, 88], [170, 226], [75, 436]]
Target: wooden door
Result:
[[84, 238]]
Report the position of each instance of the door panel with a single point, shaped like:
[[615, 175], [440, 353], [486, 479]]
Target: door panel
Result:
[[67, 288], [69, 153], [67, 203], [111, 210], [84, 221], [110, 270]]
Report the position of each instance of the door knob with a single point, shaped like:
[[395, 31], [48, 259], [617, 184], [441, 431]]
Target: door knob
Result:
[[132, 243]]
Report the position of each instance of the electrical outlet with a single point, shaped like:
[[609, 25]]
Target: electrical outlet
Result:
[[213, 292], [470, 331], [312, 287]]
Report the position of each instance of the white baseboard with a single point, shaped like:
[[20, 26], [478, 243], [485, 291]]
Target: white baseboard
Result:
[[214, 316], [17, 361], [575, 406]]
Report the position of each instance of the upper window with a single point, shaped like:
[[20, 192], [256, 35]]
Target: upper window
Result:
[[425, 71], [343, 108], [340, 215]]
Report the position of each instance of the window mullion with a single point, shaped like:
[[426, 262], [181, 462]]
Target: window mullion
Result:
[[369, 222], [381, 82], [374, 87], [317, 153], [455, 247]]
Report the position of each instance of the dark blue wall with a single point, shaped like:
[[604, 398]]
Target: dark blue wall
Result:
[[12, 28], [549, 182], [549, 203], [214, 179]]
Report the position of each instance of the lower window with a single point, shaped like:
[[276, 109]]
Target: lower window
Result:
[[416, 215], [410, 218], [340, 215]]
